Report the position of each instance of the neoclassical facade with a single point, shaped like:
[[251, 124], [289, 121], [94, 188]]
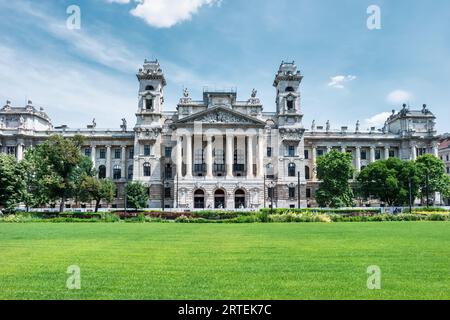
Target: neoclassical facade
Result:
[[220, 152]]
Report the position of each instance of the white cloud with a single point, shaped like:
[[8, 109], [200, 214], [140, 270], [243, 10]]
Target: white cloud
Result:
[[377, 120], [166, 13], [340, 81], [399, 96]]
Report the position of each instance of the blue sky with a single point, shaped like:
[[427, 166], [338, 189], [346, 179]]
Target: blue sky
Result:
[[350, 72]]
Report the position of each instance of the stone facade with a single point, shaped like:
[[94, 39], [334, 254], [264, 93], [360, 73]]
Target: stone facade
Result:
[[444, 155], [219, 152]]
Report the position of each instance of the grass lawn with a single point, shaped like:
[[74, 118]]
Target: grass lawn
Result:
[[225, 261]]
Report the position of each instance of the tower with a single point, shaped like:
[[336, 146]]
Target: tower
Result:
[[287, 82], [148, 129]]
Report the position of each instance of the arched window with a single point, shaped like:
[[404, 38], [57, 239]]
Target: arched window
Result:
[[291, 170], [199, 199], [117, 172], [290, 105], [149, 88], [147, 171], [102, 172], [168, 171], [290, 89], [219, 199], [307, 173], [130, 172], [149, 103], [239, 199]]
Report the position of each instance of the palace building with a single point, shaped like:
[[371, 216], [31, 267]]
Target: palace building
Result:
[[221, 152]]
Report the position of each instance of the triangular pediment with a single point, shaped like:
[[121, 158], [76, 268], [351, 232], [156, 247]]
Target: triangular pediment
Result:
[[221, 115]]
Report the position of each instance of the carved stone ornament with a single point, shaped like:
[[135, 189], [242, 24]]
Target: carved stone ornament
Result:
[[223, 117], [291, 134]]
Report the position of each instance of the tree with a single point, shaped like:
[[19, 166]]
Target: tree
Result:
[[137, 196], [335, 169], [432, 176], [388, 180], [98, 190], [12, 185], [82, 171], [57, 159]]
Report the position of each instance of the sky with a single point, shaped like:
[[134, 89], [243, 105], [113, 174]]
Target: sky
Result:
[[351, 72]]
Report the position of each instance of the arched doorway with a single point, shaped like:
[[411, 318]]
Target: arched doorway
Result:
[[102, 172], [219, 199], [199, 199], [239, 199]]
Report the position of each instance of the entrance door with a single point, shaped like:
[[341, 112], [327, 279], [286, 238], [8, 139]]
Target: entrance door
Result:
[[199, 199], [219, 199]]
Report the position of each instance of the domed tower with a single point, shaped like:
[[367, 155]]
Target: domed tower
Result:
[[287, 82]]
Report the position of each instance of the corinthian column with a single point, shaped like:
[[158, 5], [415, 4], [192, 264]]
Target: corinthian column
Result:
[[358, 159], [250, 157], [108, 161], [229, 160], [209, 157], [189, 156], [261, 148], [179, 157]]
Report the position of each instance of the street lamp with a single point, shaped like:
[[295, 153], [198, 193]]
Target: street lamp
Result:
[[272, 187]]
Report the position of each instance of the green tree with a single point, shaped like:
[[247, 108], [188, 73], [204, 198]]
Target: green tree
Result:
[[82, 171], [98, 190], [432, 176], [57, 159], [335, 169], [388, 181], [137, 196], [12, 184]]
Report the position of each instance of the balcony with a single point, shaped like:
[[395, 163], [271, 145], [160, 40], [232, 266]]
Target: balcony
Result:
[[219, 168], [200, 168]]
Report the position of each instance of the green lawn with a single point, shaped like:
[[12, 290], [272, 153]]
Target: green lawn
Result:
[[225, 261]]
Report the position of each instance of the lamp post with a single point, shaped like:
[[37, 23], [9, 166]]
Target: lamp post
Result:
[[272, 187], [427, 182], [410, 195], [299, 192]]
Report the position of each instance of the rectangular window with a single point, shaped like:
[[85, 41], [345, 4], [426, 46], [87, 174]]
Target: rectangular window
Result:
[[447, 158], [290, 105], [291, 192], [363, 155], [147, 150], [448, 169], [168, 152], [11, 151], [421, 151], [149, 104], [377, 154], [102, 153], [131, 153], [320, 152], [308, 193], [167, 193], [391, 153], [291, 151], [306, 154], [270, 192], [117, 153], [87, 152], [269, 151]]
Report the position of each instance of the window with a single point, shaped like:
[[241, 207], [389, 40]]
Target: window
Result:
[[117, 172], [168, 171], [448, 169], [149, 103], [306, 154], [320, 152], [102, 153], [290, 105], [130, 172], [270, 193], [291, 151], [269, 170], [11, 151], [117, 153], [168, 152], [377, 154], [308, 193], [87, 152], [167, 193], [147, 171], [391, 153], [291, 192], [131, 153], [149, 88], [269, 151], [421, 151], [290, 89], [147, 150], [102, 172], [363, 155], [307, 173], [447, 157], [291, 170]]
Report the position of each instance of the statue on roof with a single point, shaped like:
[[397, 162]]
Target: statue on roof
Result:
[[124, 125], [254, 93], [328, 125], [186, 92], [313, 126], [94, 124], [358, 125]]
